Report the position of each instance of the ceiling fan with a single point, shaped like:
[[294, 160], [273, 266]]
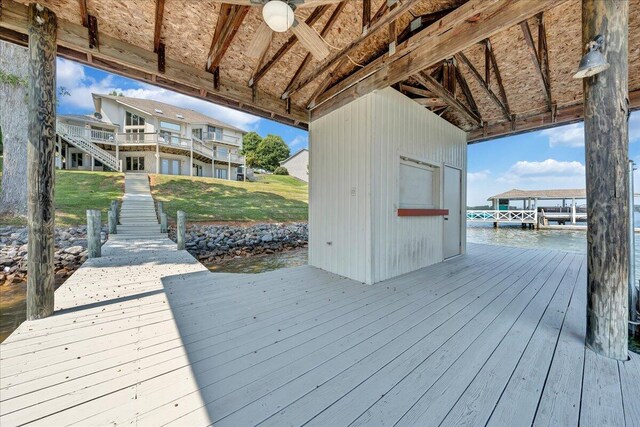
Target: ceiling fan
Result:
[[279, 16]]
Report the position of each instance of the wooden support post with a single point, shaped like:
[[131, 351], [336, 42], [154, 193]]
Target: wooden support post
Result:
[[114, 208], [163, 222], [94, 220], [573, 211], [191, 157], [229, 165], [606, 152], [634, 327], [41, 161], [113, 222], [181, 229], [159, 209]]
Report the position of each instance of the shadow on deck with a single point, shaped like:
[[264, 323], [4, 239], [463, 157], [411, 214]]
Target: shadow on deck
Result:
[[495, 337]]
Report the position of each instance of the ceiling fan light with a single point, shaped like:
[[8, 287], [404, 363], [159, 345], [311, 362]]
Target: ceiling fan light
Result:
[[278, 15]]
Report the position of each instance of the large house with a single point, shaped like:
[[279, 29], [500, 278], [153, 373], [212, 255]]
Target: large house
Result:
[[141, 135], [298, 165]]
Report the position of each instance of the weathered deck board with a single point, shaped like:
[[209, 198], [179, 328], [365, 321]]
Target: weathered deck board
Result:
[[495, 336]]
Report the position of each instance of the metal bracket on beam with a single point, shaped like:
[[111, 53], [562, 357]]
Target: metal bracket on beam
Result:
[[92, 22], [216, 78], [392, 47], [161, 58], [288, 105]]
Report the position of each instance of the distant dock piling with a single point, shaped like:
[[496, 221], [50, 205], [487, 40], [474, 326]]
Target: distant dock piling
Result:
[[181, 229]]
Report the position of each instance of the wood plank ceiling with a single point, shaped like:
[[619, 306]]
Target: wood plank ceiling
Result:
[[491, 67]]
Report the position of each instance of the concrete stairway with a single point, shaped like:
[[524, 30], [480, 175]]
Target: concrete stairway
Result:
[[138, 219]]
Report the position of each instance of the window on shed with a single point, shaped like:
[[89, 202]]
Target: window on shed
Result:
[[419, 185]]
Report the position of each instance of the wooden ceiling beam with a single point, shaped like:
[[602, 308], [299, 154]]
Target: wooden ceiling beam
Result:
[[389, 17], [125, 59], [437, 89], [461, 57], [430, 102], [84, 12], [565, 115], [470, 23], [415, 91], [498, 76], [325, 30], [158, 24], [468, 95], [222, 39], [366, 15], [288, 45], [535, 58]]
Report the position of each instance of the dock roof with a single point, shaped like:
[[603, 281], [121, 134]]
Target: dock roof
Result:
[[437, 56], [554, 194]]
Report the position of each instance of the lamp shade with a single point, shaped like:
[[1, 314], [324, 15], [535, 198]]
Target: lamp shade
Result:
[[591, 64], [278, 15]]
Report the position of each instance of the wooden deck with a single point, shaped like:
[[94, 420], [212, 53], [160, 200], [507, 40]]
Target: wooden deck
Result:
[[147, 336]]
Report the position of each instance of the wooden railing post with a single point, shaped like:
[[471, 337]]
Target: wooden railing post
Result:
[[163, 222], [113, 222], [94, 221], [41, 161], [181, 229], [606, 151], [159, 209], [114, 208]]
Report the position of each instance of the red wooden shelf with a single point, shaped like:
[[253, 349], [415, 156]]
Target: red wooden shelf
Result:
[[423, 212]]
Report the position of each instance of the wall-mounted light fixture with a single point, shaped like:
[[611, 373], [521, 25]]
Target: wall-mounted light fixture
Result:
[[593, 62], [278, 15]]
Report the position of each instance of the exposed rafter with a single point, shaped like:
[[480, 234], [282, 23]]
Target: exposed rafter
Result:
[[535, 58], [415, 91], [158, 24], [325, 30], [229, 20], [84, 13], [468, 95], [366, 15], [290, 43], [461, 57], [437, 89], [389, 17], [498, 76], [470, 23]]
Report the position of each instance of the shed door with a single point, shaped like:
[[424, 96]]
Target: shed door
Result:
[[452, 223]]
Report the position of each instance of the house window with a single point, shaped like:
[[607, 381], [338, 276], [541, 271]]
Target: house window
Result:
[[197, 170], [134, 119], [214, 133], [222, 152], [76, 160], [134, 163], [419, 185], [170, 132], [197, 133], [221, 173]]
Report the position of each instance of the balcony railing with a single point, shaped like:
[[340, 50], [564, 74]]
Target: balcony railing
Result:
[[217, 137], [204, 148]]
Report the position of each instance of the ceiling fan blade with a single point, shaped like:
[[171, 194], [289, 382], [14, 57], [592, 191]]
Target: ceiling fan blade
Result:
[[260, 41], [314, 3], [310, 40]]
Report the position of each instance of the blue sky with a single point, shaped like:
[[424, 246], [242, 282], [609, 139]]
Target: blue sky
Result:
[[552, 158]]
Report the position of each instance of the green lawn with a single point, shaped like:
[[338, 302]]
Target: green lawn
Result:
[[271, 198], [77, 191]]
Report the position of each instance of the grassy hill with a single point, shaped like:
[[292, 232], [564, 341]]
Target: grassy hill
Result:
[[271, 198], [77, 191]]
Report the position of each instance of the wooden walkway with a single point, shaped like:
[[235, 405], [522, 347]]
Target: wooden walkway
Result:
[[147, 336]]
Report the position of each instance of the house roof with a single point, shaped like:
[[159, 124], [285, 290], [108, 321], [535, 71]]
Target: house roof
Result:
[[292, 156], [514, 194], [170, 112], [86, 118]]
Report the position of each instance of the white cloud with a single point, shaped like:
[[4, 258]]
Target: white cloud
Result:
[[478, 176], [546, 168], [565, 136], [300, 141], [71, 75]]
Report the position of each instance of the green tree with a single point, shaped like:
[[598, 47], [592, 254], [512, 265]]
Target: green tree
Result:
[[271, 151], [250, 142], [251, 159]]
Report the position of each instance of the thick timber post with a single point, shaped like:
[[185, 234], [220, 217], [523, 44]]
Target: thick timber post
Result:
[[606, 152], [94, 225], [41, 161], [113, 222], [163, 222], [180, 229]]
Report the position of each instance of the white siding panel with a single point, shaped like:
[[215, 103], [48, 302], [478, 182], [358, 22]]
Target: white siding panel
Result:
[[354, 186], [339, 211], [402, 127]]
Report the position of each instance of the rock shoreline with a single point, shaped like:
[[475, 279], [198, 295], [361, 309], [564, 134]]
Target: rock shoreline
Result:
[[215, 243], [71, 252], [207, 243]]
